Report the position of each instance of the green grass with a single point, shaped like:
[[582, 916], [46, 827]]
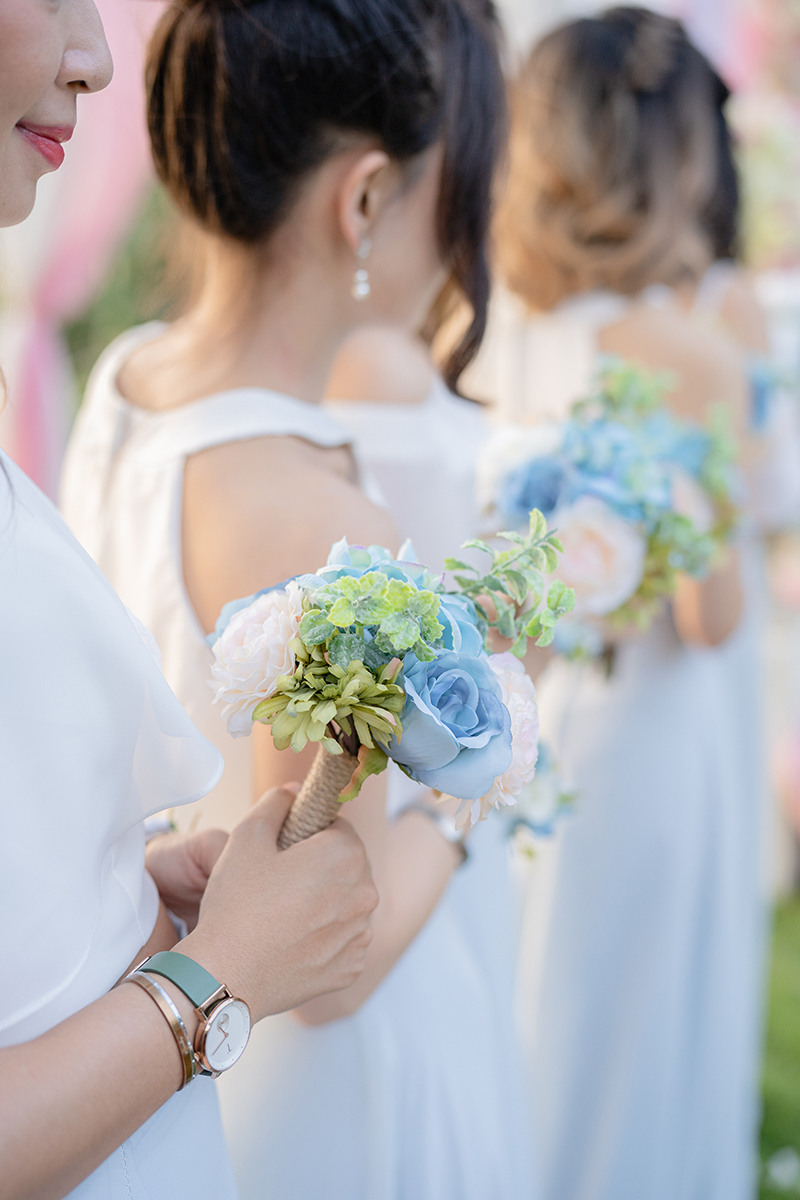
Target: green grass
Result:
[[781, 1080]]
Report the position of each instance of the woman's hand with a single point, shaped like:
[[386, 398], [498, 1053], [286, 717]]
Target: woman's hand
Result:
[[277, 926], [281, 926], [180, 865]]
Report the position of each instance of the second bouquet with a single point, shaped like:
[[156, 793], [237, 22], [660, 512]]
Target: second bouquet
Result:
[[636, 495], [372, 659]]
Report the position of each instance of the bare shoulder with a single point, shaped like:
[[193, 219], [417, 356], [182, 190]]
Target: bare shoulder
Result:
[[744, 316], [381, 365], [260, 511], [708, 367]]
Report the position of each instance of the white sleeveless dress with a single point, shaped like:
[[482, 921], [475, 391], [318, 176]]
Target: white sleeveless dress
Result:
[[92, 741], [418, 1096], [122, 495], [645, 1018]]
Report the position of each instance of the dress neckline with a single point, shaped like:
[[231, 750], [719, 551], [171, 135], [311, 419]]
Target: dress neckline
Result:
[[436, 395], [139, 336], [237, 414]]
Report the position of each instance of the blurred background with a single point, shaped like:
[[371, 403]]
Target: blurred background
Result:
[[93, 260]]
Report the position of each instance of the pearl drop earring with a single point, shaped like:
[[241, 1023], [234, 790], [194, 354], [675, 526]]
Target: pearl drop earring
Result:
[[361, 285]]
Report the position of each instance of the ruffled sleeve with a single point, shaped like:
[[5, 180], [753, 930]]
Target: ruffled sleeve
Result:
[[92, 740]]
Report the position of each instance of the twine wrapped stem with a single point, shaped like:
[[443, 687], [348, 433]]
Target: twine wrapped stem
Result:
[[317, 805]]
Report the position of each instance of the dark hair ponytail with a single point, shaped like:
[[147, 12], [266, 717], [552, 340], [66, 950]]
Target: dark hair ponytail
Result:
[[245, 97], [721, 217]]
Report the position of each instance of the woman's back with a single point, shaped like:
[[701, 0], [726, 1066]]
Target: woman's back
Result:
[[533, 366], [123, 492]]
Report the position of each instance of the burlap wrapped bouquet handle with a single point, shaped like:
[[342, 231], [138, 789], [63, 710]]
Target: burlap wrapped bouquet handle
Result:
[[317, 805]]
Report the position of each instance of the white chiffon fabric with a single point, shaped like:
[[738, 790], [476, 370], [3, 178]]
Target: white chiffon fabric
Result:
[[642, 1007], [92, 740], [419, 1095]]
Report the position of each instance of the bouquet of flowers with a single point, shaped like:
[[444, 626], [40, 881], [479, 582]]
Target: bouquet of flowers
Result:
[[635, 494], [371, 658]]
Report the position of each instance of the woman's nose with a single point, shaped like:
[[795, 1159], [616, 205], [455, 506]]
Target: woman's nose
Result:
[[87, 65]]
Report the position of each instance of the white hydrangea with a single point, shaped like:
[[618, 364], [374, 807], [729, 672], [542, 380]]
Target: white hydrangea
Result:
[[252, 652]]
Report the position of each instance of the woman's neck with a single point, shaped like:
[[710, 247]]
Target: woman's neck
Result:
[[254, 324]]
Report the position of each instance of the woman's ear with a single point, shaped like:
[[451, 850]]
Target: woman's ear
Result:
[[362, 196]]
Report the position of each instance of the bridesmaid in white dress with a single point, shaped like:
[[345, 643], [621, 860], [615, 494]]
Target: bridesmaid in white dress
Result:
[[92, 741], [422, 442], [203, 467], [413, 434], [646, 1022]]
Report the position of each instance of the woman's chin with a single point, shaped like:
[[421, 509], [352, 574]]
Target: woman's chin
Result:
[[17, 198]]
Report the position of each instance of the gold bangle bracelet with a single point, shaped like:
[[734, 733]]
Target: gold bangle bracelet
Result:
[[171, 1014]]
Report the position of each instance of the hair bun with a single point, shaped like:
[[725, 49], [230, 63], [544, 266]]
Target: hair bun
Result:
[[653, 52]]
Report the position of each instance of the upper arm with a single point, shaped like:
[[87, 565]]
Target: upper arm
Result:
[[258, 512], [744, 317], [383, 366]]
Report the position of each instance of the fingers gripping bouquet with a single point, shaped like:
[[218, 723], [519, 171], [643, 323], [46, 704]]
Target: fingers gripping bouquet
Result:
[[371, 658], [635, 494]]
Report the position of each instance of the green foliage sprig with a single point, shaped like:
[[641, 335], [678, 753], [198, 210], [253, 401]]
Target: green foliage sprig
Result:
[[673, 545], [624, 392], [524, 604], [344, 709]]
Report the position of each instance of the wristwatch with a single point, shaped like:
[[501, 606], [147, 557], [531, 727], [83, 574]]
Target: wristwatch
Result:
[[225, 1022]]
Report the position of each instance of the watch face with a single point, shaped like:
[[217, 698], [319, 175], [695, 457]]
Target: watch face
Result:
[[226, 1034]]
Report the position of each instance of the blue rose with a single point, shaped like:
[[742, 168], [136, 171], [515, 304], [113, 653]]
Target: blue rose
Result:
[[535, 484], [460, 620], [619, 466], [605, 487], [602, 447], [356, 561], [456, 728], [689, 450]]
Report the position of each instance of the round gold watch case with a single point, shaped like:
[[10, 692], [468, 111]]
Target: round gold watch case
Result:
[[222, 1035]]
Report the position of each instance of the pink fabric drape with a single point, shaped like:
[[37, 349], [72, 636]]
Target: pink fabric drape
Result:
[[75, 235]]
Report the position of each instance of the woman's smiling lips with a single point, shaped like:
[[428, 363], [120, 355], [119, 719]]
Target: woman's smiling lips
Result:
[[47, 140]]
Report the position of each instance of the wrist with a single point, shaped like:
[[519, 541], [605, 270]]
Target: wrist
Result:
[[180, 1019], [218, 961], [183, 1005], [221, 1021], [444, 824]]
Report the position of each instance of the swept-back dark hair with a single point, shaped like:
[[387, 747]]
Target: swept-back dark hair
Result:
[[246, 97], [721, 216]]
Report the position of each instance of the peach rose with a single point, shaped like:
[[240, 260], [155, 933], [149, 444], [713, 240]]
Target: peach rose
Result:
[[603, 557]]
